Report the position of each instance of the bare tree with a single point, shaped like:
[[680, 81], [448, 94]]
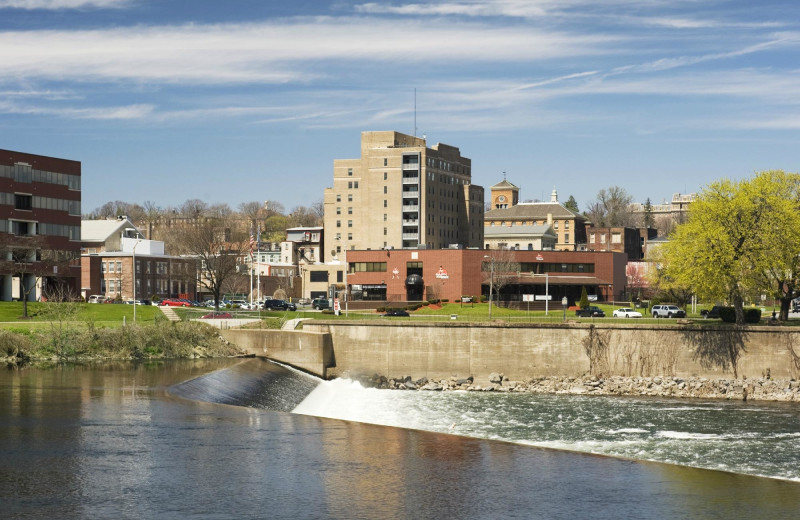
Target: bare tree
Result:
[[252, 211], [152, 214], [193, 208], [505, 269], [273, 207], [612, 208], [218, 247]]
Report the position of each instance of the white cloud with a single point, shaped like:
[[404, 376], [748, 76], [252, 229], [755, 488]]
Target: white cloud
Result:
[[272, 52], [63, 4], [129, 112]]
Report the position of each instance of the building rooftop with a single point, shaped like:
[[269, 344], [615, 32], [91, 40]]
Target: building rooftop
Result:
[[526, 230], [532, 210], [100, 230]]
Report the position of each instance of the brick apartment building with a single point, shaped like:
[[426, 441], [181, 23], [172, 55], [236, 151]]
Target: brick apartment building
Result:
[[40, 220]]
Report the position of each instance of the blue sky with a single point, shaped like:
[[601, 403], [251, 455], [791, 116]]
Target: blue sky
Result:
[[242, 100]]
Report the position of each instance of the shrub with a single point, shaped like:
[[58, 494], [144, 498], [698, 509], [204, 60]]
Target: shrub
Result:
[[326, 311], [484, 299], [425, 304], [727, 314], [381, 309], [752, 315], [445, 300], [584, 303]]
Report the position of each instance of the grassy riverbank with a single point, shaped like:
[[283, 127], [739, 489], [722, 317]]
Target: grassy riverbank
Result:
[[83, 341]]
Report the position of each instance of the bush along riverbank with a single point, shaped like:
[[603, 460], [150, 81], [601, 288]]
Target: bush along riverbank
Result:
[[761, 389], [85, 342]]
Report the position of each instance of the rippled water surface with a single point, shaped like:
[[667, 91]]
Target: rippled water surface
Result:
[[752, 438], [195, 440]]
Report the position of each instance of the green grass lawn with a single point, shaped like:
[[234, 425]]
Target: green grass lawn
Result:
[[105, 314]]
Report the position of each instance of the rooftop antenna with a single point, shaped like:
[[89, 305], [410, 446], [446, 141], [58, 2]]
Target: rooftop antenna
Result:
[[415, 111]]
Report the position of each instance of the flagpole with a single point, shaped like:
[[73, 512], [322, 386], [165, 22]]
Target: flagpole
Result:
[[258, 272]]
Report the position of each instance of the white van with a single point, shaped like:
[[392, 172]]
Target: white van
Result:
[[96, 298]]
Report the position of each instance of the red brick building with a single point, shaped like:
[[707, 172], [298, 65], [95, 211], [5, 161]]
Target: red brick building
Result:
[[40, 216], [411, 275]]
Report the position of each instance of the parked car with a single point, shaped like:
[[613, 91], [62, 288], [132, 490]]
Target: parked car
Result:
[[96, 298], [175, 302], [396, 312], [626, 312], [282, 305], [590, 312], [713, 313], [217, 316], [320, 303], [303, 301], [667, 311]]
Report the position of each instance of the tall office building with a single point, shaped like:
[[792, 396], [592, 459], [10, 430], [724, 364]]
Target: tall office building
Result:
[[402, 194], [40, 225]]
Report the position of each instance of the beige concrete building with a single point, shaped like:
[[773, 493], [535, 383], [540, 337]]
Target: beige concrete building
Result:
[[402, 194], [568, 226]]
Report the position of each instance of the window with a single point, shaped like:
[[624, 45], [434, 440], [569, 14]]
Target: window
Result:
[[338, 210], [102, 267], [555, 225], [616, 238], [350, 185], [349, 172], [591, 237], [338, 223], [349, 197], [23, 202], [384, 217], [339, 276], [385, 175], [566, 238], [385, 162], [349, 223], [318, 276], [338, 197], [367, 267], [385, 231], [350, 210], [566, 224], [355, 184], [385, 203], [349, 236], [119, 267], [338, 236], [602, 238], [338, 249], [111, 266], [385, 189]]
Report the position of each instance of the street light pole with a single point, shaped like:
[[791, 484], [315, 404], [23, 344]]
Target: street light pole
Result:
[[491, 282], [133, 269]]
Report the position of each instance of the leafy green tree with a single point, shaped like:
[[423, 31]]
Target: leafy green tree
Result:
[[740, 238]]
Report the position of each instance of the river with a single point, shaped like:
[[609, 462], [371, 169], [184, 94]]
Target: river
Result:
[[214, 439]]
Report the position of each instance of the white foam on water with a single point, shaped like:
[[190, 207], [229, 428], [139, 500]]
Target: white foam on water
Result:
[[689, 435], [627, 430]]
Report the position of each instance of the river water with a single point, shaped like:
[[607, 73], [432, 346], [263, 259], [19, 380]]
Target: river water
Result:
[[214, 439]]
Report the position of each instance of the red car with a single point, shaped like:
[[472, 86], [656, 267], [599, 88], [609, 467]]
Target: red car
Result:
[[173, 302]]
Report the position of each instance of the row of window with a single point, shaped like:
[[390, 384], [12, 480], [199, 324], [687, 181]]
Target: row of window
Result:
[[349, 197], [22, 172], [513, 223], [367, 267]]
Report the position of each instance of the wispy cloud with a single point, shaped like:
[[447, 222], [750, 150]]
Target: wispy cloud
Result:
[[272, 52], [129, 112], [64, 4]]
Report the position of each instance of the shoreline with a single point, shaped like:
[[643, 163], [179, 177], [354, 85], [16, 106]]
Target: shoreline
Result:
[[745, 389]]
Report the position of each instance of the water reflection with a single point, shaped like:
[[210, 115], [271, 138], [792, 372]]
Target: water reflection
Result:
[[94, 442]]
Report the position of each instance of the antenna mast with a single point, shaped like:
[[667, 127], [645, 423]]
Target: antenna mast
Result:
[[415, 111]]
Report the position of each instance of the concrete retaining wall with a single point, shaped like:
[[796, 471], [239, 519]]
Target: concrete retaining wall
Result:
[[442, 350], [306, 350]]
